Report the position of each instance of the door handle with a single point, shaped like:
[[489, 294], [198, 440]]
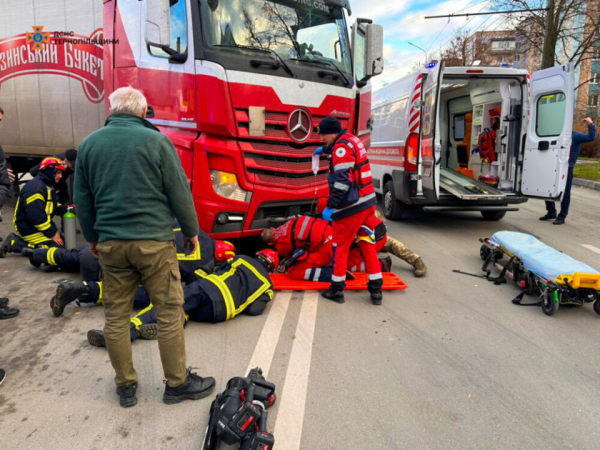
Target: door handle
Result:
[[150, 113], [543, 145]]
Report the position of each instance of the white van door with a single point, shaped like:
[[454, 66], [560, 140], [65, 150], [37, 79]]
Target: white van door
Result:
[[546, 156], [431, 145]]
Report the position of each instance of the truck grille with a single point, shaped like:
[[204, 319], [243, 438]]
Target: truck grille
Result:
[[275, 159]]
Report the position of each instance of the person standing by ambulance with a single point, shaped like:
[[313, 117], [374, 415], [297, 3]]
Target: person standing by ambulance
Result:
[[350, 207]]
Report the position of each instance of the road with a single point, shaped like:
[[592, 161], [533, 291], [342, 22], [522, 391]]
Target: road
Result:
[[449, 363]]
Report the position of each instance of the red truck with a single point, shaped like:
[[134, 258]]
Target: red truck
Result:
[[238, 86]]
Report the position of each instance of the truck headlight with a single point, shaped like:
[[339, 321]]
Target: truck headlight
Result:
[[225, 184]]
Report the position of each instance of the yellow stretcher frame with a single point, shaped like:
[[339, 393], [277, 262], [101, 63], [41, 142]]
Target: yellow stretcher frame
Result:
[[580, 280]]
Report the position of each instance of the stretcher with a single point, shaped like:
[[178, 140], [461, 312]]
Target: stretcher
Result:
[[540, 270], [282, 282]]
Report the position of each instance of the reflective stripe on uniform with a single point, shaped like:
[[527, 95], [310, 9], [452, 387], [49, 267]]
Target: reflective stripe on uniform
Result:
[[343, 166], [265, 286], [341, 186], [201, 273], [337, 279], [366, 174], [100, 294], [44, 226], [196, 256], [375, 276], [50, 256], [361, 200], [305, 219], [225, 292], [36, 238], [136, 320], [35, 197]]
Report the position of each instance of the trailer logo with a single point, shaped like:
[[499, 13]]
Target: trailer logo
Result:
[[38, 38], [56, 53], [299, 125]]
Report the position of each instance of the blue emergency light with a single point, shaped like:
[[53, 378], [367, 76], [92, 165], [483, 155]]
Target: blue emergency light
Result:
[[431, 65]]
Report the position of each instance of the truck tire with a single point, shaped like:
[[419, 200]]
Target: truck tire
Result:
[[493, 215], [392, 208]]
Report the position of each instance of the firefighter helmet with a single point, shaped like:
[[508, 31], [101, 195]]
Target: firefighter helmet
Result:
[[224, 250], [270, 257], [52, 163]]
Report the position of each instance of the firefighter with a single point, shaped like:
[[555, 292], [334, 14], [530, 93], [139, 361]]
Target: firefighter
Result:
[[192, 267], [36, 206], [242, 285], [350, 207]]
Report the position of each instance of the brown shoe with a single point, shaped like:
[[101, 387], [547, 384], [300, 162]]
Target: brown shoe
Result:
[[420, 268]]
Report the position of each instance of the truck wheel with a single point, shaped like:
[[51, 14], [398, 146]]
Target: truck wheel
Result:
[[493, 215], [597, 306], [392, 208], [549, 304]]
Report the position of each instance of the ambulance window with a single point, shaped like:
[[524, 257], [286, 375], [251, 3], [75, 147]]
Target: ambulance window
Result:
[[179, 42], [550, 114], [459, 127]]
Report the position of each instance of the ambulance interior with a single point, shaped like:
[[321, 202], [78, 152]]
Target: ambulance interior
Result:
[[470, 107]]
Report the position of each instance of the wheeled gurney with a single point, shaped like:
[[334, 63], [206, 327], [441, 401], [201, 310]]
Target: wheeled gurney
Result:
[[540, 270]]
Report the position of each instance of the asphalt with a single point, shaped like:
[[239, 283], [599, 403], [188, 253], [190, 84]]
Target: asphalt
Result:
[[449, 363]]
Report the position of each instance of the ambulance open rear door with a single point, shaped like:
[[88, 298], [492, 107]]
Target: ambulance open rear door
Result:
[[545, 162]]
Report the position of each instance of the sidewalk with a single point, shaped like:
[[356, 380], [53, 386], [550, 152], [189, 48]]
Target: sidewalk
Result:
[[587, 183]]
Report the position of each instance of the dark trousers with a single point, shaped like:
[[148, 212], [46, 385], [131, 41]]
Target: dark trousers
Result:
[[566, 199], [65, 260]]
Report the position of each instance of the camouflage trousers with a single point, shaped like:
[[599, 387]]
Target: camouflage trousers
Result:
[[400, 250]]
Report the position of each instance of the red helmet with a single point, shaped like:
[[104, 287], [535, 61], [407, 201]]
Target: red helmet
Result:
[[224, 250], [52, 163], [321, 205], [270, 257]]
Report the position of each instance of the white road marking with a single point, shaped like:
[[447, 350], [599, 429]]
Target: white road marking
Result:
[[290, 415], [592, 248], [267, 342]]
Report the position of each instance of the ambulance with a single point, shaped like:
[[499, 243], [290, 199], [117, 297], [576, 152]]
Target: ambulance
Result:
[[471, 139]]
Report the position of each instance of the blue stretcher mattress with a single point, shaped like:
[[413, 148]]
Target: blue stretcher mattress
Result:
[[538, 257]]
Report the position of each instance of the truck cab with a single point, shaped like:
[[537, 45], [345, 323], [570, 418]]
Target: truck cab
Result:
[[240, 88], [472, 139]]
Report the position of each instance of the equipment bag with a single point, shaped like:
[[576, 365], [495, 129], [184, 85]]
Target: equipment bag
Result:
[[487, 145]]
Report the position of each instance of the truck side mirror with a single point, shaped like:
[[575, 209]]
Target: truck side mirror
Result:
[[374, 49], [157, 25]]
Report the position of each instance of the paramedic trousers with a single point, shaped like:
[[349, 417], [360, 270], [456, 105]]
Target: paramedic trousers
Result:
[[314, 266], [566, 199], [126, 264], [345, 232]]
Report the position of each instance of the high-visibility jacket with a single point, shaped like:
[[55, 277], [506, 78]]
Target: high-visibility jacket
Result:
[[350, 180], [304, 232], [36, 207], [241, 284], [198, 264]]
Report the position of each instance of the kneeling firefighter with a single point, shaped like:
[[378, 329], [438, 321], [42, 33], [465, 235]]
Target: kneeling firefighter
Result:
[[241, 285], [35, 209], [350, 207], [209, 253]]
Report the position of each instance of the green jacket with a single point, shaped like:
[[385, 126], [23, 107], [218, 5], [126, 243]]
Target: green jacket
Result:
[[129, 184]]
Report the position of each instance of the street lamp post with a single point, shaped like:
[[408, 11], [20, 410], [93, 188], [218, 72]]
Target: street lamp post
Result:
[[423, 50]]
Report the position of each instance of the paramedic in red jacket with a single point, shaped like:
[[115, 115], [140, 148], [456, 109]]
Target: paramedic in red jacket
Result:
[[350, 207]]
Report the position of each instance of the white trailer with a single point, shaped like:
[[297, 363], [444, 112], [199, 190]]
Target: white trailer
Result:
[[51, 77], [424, 147]]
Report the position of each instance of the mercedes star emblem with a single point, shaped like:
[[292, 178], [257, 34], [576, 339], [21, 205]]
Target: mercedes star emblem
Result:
[[299, 125]]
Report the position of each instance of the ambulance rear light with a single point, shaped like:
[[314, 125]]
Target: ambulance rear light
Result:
[[474, 71], [412, 152]]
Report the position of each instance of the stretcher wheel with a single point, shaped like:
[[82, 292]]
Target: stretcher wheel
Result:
[[484, 252], [549, 304], [597, 306]]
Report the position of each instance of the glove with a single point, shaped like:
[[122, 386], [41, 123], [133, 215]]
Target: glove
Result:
[[318, 151], [327, 213]]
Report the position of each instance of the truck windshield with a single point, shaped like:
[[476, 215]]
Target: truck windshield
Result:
[[298, 30]]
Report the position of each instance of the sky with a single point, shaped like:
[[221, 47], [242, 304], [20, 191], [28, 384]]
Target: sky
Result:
[[403, 22]]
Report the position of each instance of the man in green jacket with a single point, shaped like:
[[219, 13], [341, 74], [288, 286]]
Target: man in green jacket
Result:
[[129, 184]]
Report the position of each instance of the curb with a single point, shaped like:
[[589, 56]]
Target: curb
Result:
[[587, 183]]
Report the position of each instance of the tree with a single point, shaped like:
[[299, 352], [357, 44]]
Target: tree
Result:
[[456, 52], [567, 33]]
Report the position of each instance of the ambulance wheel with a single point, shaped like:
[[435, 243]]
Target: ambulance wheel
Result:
[[597, 306], [493, 215], [392, 208], [549, 304], [484, 252]]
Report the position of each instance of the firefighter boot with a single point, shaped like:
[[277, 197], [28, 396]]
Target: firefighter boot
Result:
[[29, 253], [96, 338], [8, 313], [68, 292], [149, 331], [193, 388], [419, 267]]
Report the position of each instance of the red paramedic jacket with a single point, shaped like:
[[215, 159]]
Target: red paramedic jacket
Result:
[[350, 181], [304, 232]]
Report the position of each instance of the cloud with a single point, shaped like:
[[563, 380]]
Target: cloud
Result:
[[377, 9]]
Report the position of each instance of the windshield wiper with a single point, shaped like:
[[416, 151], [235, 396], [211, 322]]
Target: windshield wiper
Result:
[[327, 63], [264, 50]]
